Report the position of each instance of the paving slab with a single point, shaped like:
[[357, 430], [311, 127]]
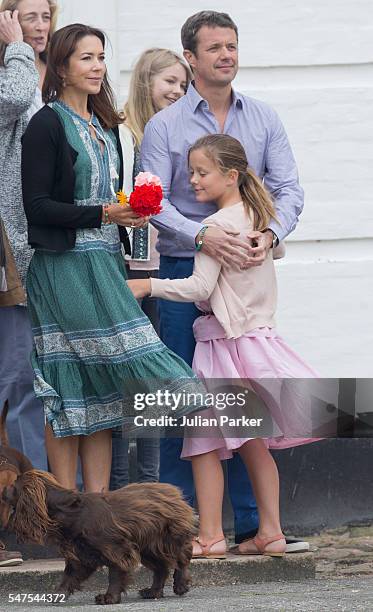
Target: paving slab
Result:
[[43, 576], [344, 551]]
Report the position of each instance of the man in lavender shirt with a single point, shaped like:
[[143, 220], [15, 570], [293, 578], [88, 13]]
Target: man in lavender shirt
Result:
[[211, 106]]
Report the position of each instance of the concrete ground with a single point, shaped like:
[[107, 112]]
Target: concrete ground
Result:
[[316, 595], [337, 575]]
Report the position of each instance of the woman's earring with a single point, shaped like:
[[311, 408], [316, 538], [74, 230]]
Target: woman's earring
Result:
[[63, 82]]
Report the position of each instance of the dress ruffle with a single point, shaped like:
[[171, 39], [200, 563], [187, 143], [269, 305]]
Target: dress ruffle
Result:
[[273, 371], [94, 347]]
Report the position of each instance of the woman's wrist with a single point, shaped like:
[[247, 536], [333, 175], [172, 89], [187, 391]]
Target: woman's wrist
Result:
[[106, 214]]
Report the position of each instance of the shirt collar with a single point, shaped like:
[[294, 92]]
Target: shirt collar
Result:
[[195, 99]]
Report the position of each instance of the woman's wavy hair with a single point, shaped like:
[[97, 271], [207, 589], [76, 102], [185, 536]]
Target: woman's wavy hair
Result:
[[140, 107], [62, 46], [228, 154], [12, 5]]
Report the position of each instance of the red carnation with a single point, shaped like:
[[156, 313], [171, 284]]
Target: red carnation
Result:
[[146, 199]]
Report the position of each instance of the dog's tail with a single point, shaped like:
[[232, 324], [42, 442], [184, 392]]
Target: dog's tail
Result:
[[3, 433]]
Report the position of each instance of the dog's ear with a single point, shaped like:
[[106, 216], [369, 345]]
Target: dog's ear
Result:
[[31, 521], [10, 495], [8, 500], [3, 434]]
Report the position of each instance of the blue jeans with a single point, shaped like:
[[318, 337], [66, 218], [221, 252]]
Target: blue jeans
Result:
[[25, 421], [176, 321], [147, 462], [147, 456]]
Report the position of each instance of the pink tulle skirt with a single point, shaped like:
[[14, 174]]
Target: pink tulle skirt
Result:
[[258, 354]]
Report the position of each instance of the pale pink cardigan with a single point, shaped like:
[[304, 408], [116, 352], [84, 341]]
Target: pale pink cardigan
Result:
[[241, 300]]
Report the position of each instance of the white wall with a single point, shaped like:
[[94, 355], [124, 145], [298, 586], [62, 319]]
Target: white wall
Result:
[[313, 61]]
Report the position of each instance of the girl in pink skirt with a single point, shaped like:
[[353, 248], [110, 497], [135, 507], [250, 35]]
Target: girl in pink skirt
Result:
[[236, 338]]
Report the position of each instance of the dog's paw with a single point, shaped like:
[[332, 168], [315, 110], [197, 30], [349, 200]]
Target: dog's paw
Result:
[[151, 593], [100, 599], [182, 581], [62, 590], [181, 588], [105, 599]]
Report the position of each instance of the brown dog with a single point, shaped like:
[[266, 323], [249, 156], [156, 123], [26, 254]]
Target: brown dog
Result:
[[148, 523], [12, 464]]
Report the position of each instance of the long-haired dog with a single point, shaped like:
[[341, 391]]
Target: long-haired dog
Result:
[[12, 464], [148, 523]]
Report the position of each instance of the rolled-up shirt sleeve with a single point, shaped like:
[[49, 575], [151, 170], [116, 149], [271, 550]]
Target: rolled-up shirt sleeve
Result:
[[281, 179], [156, 158]]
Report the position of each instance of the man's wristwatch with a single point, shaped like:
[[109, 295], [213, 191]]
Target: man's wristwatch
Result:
[[199, 238], [275, 240]]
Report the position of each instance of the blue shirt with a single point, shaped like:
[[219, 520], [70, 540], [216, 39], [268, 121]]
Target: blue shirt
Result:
[[164, 152]]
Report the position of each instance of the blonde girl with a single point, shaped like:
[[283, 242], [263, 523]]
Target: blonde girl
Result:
[[160, 77], [236, 338]]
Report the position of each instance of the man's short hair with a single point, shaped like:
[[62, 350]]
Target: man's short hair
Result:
[[193, 24]]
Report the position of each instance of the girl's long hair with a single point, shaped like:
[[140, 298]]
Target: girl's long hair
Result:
[[228, 154], [139, 107], [62, 46], [12, 5]]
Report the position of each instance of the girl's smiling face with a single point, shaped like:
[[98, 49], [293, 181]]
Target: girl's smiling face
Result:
[[208, 182], [168, 86]]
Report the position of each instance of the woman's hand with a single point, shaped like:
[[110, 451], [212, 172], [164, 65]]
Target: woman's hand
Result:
[[10, 30], [124, 215], [140, 288]]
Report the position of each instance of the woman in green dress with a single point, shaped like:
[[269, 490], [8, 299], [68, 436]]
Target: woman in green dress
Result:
[[94, 347]]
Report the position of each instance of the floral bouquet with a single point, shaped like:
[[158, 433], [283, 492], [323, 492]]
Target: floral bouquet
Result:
[[146, 197]]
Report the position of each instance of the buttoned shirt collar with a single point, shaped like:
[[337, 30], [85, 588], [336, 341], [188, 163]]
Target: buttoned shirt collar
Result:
[[195, 99]]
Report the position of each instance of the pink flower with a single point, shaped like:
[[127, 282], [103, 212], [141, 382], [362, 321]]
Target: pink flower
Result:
[[147, 178]]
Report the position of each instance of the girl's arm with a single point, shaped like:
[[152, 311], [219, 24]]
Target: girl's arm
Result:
[[195, 288], [18, 82]]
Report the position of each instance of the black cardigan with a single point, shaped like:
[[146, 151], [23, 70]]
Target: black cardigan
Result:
[[48, 181]]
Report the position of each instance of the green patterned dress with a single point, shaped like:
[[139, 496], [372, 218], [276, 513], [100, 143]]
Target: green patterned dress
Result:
[[94, 347]]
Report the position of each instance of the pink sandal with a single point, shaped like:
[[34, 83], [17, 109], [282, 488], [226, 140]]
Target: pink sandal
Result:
[[215, 550], [261, 545]]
